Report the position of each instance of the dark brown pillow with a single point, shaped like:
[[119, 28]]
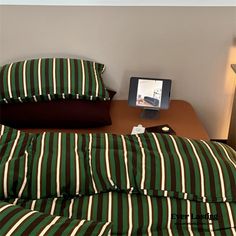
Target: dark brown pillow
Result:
[[57, 114]]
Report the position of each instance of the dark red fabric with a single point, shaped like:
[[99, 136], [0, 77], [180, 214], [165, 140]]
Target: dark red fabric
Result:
[[57, 114]]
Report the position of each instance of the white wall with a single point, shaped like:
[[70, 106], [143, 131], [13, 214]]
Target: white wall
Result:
[[190, 45]]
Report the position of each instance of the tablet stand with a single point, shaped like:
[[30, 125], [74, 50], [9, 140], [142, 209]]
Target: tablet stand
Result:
[[150, 114]]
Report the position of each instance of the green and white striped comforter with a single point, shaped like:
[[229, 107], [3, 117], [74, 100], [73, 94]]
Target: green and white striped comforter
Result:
[[148, 184]]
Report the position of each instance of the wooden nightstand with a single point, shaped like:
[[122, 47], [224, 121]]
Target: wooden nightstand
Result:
[[180, 116]]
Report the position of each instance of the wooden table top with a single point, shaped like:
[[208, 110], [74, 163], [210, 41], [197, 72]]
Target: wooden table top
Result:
[[180, 116]]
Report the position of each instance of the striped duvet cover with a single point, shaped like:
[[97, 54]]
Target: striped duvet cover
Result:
[[104, 184]]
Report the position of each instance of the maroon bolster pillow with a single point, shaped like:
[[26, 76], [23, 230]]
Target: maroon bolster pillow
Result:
[[57, 114]]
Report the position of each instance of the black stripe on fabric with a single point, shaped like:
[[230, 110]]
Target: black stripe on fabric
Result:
[[43, 205], [63, 206], [76, 78], [62, 228], [47, 76], [171, 157], [91, 80], [61, 69], [100, 207], [68, 165], [79, 214], [221, 218], [86, 165], [116, 160], [153, 163], [119, 214], [140, 215], [99, 169], [16, 179], [17, 78], [31, 186], [49, 164], [33, 225], [191, 166], [210, 171], [90, 229], [32, 76]]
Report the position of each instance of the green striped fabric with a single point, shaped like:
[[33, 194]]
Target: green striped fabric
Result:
[[144, 184], [15, 220], [46, 79], [136, 215], [65, 164], [14, 157]]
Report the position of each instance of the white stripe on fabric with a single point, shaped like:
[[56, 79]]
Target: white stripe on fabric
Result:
[[126, 162], [90, 162], [39, 77], [40, 166], [19, 98], [5, 100], [104, 228], [34, 97], [24, 79], [200, 170], [71, 208], [9, 80], [130, 222], [25, 175], [68, 75], [54, 76], [181, 164], [109, 214], [58, 170], [32, 207], [162, 164], [5, 207], [75, 230], [89, 210], [5, 180], [169, 216], [19, 221], [53, 206], [49, 97], [189, 218], [222, 182], [209, 224], [2, 130], [143, 174], [96, 78], [231, 218], [44, 232], [83, 77], [77, 166], [15, 201], [149, 215], [108, 171]]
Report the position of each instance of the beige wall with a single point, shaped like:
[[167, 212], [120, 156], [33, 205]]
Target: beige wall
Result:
[[190, 45]]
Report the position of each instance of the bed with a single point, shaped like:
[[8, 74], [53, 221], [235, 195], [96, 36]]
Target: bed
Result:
[[56, 183]]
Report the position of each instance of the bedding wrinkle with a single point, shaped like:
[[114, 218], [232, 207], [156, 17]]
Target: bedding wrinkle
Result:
[[106, 184]]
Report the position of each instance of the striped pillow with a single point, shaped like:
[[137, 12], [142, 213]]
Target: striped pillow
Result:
[[46, 79]]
